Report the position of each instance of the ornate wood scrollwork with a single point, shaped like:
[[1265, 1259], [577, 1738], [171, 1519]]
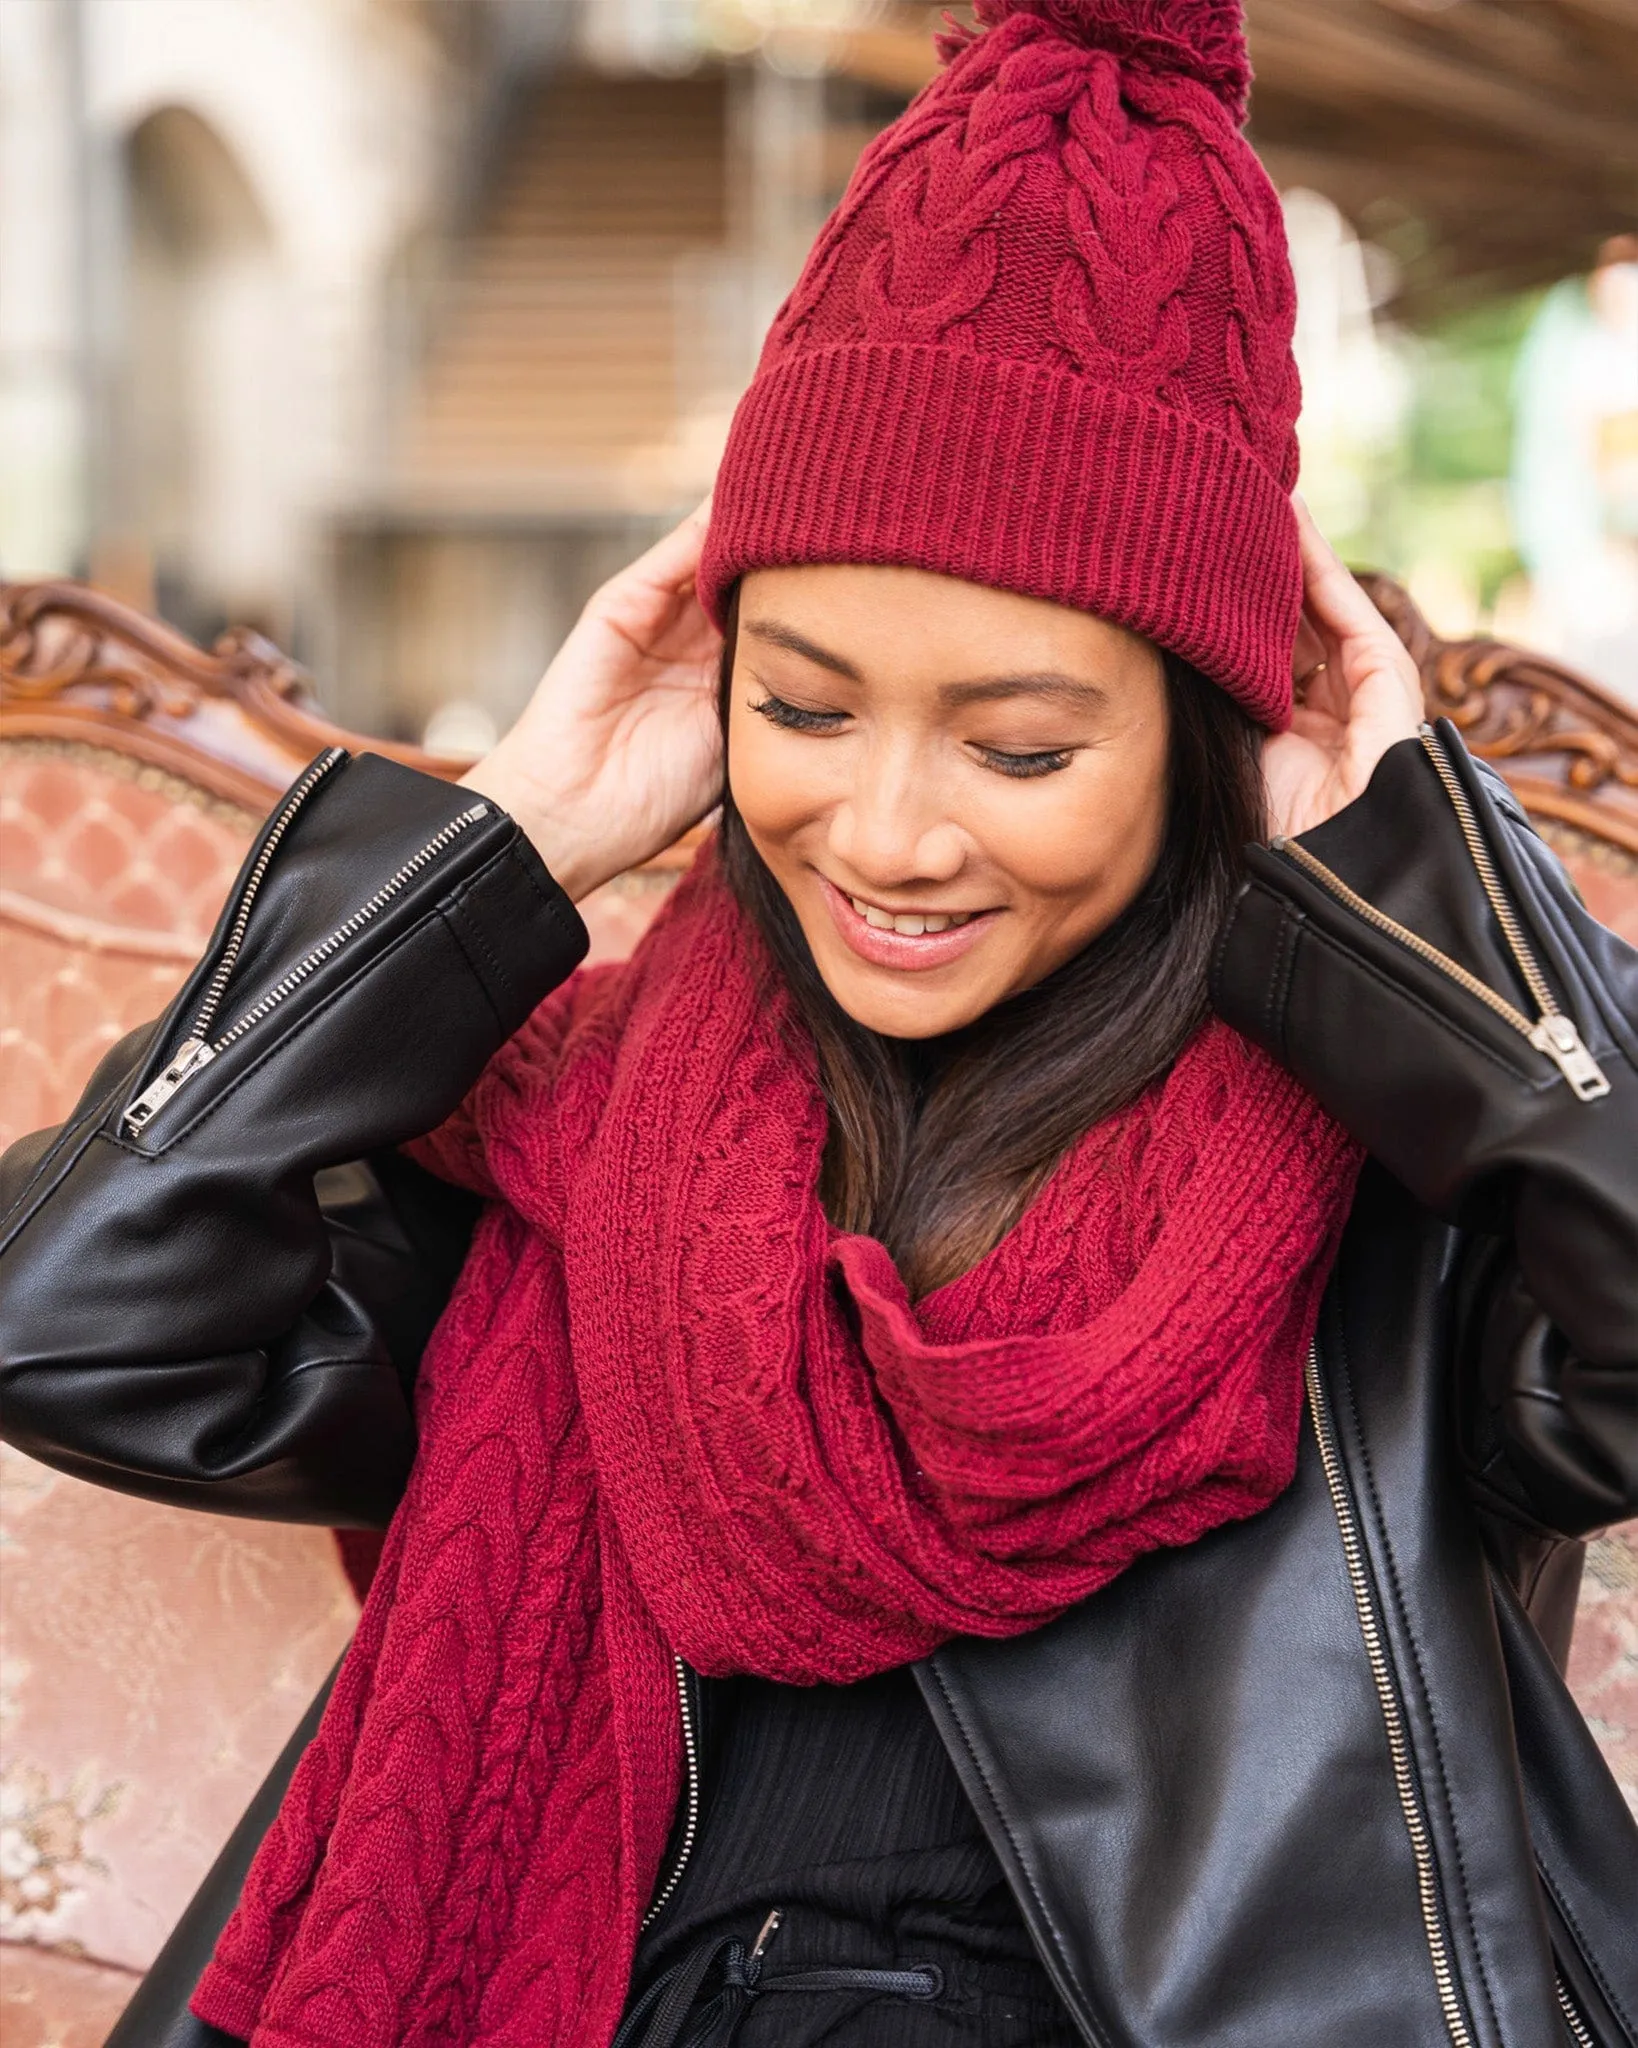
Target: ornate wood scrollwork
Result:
[[76, 664], [1567, 747]]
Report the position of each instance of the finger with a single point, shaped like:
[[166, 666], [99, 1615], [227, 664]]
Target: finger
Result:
[[674, 559], [1308, 651], [1326, 694], [1367, 651], [643, 596], [658, 592], [1319, 728], [1331, 597]]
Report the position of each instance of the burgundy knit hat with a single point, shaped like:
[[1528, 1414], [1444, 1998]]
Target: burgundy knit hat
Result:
[[1044, 343]]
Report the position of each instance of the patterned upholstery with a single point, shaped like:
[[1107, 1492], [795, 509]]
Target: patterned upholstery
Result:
[[111, 881], [154, 1660], [1604, 1656]]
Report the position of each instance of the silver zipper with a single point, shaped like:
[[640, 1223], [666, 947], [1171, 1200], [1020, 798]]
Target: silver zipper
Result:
[[300, 791], [1572, 2019], [1552, 1033], [1393, 1719], [1512, 931], [197, 1051], [691, 1807]]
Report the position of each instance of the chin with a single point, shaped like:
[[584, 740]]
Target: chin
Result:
[[901, 1007]]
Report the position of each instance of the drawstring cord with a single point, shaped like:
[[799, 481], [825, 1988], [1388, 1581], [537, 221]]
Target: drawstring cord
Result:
[[669, 2014]]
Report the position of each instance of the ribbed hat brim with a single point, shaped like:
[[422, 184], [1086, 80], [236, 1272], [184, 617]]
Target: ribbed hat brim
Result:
[[1023, 477]]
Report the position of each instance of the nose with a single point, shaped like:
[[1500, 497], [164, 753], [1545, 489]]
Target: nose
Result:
[[890, 829]]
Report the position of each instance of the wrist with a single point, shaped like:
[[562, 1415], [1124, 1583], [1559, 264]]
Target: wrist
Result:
[[545, 818]]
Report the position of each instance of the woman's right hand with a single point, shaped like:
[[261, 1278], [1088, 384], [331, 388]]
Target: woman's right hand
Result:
[[619, 750]]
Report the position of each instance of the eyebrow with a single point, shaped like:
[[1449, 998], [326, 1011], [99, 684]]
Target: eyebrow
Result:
[[981, 690], [793, 642], [1047, 683]]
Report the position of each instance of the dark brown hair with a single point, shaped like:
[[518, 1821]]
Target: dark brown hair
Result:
[[937, 1146]]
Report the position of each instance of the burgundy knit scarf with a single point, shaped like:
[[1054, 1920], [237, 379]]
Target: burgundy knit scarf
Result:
[[670, 1408]]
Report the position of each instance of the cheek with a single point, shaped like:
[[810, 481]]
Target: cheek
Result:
[[778, 784], [1080, 845]]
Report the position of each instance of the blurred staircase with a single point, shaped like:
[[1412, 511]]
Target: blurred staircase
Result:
[[553, 351]]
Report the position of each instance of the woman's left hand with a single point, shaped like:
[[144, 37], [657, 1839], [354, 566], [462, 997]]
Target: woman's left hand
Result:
[[1363, 695]]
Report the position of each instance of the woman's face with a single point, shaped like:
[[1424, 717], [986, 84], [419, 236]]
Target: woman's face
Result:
[[957, 788]]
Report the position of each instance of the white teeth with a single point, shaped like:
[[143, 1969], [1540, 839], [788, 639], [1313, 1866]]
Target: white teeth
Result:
[[910, 927]]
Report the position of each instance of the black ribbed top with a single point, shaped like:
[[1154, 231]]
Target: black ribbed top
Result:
[[839, 1806]]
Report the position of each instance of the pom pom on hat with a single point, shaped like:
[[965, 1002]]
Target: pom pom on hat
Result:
[[1201, 39]]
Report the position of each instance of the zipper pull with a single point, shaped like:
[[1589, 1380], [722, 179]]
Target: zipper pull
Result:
[[753, 1962], [194, 1055], [1558, 1038]]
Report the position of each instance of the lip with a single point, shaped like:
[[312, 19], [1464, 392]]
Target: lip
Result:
[[900, 949]]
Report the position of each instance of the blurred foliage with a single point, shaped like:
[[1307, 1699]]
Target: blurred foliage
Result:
[[1445, 537], [1460, 425], [1440, 512]]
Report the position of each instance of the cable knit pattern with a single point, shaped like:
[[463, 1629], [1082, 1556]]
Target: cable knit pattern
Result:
[[1045, 343], [1124, 327], [670, 1406], [939, 262]]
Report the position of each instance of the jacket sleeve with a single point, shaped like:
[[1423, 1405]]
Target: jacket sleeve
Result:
[[217, 1276], [1399, 959]]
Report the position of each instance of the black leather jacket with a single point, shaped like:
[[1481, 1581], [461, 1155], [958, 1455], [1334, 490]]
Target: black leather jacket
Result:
[[1314, 1779]]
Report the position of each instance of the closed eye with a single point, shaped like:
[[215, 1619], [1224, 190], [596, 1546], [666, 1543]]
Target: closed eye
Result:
[[799, 718], [795, 717], [1022, 765]]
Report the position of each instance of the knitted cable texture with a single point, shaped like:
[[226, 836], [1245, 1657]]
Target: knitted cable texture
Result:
[[939, 262], [1266, 392], [1045, 343], [1118, 301], [670, 1407]]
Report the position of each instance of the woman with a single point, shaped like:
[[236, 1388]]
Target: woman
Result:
[[864, 1574]]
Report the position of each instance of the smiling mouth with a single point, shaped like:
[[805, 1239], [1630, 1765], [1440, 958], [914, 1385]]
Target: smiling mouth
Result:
[[909, 924], [904, 939]]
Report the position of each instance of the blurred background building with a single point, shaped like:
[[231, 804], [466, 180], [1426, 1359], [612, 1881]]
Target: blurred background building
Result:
[[391, 326]]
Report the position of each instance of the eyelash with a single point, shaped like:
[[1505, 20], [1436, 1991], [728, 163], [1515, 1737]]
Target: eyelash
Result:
[[793, 718], [1022, 766]]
